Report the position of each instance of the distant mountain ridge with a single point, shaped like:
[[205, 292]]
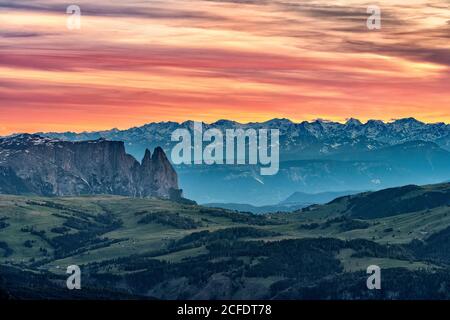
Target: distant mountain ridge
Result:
[[302, 140], [294, 202], [242, 207], [316, 198], [31, 164], [317, 156], [410, 163]]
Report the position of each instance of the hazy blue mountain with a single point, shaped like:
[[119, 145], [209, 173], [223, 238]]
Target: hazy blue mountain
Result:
[[415, 164], [295, 201], [298, 141], [315, 198], [242, 207], [318, 156]]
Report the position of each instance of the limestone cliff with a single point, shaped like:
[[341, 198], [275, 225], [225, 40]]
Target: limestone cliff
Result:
[[31, 164]]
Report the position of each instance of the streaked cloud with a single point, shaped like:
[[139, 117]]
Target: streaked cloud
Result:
[[139, 61]]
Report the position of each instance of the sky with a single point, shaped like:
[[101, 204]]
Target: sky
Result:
[[134, 62]]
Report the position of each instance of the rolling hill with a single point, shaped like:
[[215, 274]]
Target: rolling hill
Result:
[[150, 248], [392, 201]]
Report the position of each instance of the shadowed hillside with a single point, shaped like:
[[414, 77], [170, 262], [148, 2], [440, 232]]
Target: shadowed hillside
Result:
[[394, 201]]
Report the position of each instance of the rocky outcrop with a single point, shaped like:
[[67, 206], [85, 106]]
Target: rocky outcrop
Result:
[[157, 175], [43, 166]]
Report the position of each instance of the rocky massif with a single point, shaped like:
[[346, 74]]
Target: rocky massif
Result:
[[32, 164], [298, 141]]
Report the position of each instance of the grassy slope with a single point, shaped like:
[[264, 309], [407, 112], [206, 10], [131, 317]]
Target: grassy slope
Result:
[[134, 238]]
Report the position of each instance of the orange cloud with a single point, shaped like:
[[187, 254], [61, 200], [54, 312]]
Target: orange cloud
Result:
[[204, 60]]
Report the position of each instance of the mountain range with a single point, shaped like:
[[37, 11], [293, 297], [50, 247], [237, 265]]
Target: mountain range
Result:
[[304, 140], [32, 164], [318, 156]]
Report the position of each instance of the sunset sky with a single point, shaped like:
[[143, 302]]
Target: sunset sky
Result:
[[134, 62]]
